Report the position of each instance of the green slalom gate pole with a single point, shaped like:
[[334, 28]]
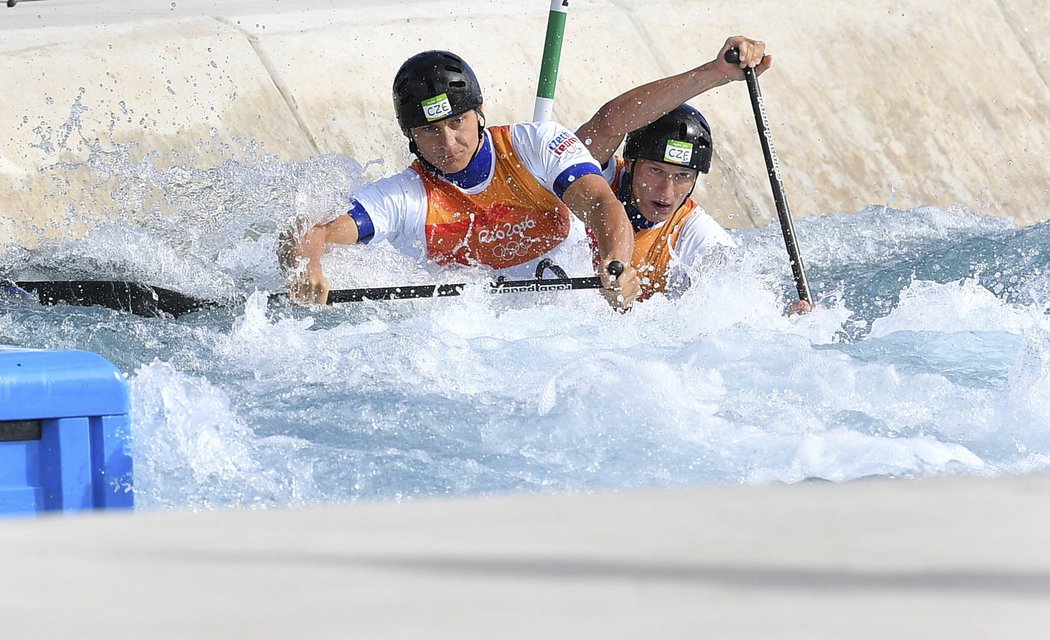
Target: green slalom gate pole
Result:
[[551, 58]]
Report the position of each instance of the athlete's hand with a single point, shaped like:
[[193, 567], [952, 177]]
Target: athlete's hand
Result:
[[752, 54], [799, 308], [288, 250], [301, 257], [310, 286], [619, 291]]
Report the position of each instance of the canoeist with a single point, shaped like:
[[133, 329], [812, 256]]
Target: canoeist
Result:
[[499, 197], [668, 145]]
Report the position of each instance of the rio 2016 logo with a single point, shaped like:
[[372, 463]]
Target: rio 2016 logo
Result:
[[506, 231]]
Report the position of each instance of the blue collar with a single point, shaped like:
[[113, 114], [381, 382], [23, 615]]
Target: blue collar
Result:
[[477, 170], [638, 221]]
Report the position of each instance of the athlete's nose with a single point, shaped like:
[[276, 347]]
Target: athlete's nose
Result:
[[665, 189], [448, 139]]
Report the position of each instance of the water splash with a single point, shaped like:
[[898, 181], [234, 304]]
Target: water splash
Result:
[[927, 356]]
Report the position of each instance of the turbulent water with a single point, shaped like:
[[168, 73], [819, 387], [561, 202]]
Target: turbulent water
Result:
[[929, 355]]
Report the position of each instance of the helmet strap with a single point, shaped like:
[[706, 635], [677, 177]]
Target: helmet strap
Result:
[[481, 133], [634, 214], [691, 189]]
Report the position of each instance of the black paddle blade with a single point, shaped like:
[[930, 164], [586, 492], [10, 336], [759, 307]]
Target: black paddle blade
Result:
[[139, 299]]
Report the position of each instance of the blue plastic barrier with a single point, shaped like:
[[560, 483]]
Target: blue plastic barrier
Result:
[[64, 432]]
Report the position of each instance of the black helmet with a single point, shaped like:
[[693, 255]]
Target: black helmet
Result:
[[432, 86], [680, 137]]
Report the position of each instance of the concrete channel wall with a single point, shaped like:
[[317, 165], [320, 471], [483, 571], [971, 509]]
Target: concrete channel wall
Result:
[[904, 102]]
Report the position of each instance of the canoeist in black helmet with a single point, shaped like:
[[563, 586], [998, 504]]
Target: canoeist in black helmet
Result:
[[669, 144], [500, 197]]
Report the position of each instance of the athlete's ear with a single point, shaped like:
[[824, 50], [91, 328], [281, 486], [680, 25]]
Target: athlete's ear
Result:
[[481, 115]]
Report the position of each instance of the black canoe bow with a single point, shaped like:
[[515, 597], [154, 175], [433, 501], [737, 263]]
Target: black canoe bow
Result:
[[139, 299]]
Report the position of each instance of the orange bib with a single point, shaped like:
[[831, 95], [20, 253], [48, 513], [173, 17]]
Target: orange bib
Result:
[[513, 221], [652, 250]]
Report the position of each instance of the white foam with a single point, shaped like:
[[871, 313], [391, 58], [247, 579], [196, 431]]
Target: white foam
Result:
[[953, 307]]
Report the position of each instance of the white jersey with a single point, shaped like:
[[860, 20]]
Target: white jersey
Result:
[[700, 235], [394, 209]]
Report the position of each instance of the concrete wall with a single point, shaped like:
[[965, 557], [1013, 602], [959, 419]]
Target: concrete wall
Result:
[[908, 102]]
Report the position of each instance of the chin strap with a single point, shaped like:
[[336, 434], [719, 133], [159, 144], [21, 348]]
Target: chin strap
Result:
[[626, 195], [481, 126]]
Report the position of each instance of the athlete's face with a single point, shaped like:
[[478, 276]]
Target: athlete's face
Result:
[[660, 188], [448, 144]]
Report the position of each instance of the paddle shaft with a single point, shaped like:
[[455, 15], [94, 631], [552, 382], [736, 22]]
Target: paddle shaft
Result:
[[614, 268], [798, 269], [551, 59], [446, 290]]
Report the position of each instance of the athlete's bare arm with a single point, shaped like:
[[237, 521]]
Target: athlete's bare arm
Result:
[[305, 252], [594, 202], [636, 108]]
